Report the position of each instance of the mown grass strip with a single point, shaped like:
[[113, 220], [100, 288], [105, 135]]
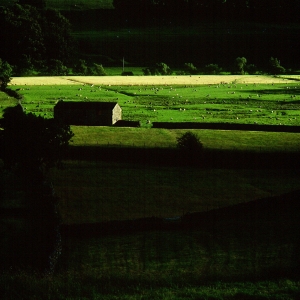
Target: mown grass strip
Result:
[[211, 139]]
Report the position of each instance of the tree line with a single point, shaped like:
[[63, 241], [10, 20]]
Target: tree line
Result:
[[34, 39]]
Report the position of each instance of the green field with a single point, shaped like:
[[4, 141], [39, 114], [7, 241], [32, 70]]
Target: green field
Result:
[[257, 141], [120, 191], [276, 104], [208, 263]]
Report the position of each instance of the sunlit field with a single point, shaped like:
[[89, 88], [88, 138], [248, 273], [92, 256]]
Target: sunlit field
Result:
[[152, 80], [206, 99]]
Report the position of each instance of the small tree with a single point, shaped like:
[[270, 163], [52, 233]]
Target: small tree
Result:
[[190, 147], [81, 68], [190, 69], [275, 67], [56, 68], [212, 69], [251, 69], [5, 74], [163, 68], [240, 64], [99, 70]]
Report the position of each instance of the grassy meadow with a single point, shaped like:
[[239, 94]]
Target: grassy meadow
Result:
[[120, 191], [257, 141], [231, 99], [229, 260]]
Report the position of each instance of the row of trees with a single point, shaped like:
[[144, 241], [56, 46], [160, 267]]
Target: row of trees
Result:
[[257, 9], [33, 39], [56, 68], [240, 66]]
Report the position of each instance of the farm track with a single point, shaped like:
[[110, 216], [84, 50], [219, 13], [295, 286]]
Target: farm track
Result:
[[151, 80]]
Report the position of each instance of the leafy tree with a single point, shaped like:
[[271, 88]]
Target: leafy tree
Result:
[[212, 69], [275, 67], [240, 64], [32, 142], [251, 69], [58, 41], [190, 148], [81, 68], [158, 69], [163, 69], [147, 71], [190, 68], [34, 35], [189, 142], [56, 68], [20, 33], [25, 66], [5, 74], [99, 70]]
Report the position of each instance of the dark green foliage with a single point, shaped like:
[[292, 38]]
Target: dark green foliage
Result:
[[81, 68], [30, 37], [190, 69], [159, 69], [251, 69], [58, 42], [22, 35], [32, 142], [189, 142], [163, 69], [99, 70], [56, 68], [190, 147], [275, 67], [25, 66], [5, 74], [147, 71], [240, 64], [212, 69]]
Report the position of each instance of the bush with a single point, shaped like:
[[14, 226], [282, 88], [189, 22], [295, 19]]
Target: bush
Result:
[[5, 74], [240, 65], [56, 68], [190, 69], [99, 70], [190, 147], [189, 142], [212, 69], [158, 69], [81, 68], [275, 67], [251, 69]]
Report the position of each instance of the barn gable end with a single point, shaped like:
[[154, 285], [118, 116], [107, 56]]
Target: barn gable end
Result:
[[88, 113]]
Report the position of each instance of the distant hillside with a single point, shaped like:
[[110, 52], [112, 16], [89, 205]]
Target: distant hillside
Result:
[[72, 4]]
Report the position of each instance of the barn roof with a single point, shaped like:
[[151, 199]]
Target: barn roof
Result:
[[85, 105]]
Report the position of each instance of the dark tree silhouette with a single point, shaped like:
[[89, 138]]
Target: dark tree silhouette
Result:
[[32, 142]]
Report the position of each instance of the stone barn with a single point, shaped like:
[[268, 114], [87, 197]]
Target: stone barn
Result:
[[88, 113]]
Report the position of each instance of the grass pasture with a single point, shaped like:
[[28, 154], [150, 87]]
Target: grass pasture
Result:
[[120, 191], [218, 99], [191, 264], [166, 138]]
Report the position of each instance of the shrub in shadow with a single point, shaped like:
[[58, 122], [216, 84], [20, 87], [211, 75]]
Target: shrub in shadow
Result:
[[190, 148]]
